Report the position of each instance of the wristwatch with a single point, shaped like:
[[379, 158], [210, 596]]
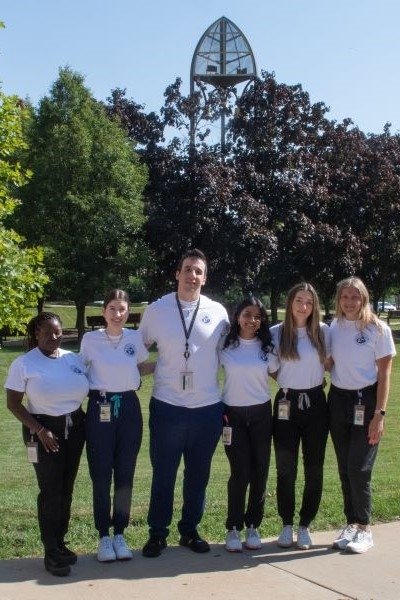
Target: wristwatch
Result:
[[380, 412]]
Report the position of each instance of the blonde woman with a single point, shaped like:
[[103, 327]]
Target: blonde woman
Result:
[[300, 410], [362, 352]]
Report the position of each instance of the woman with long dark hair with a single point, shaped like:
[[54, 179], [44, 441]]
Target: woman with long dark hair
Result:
[[247, 360], [300, 410], [55, 385]]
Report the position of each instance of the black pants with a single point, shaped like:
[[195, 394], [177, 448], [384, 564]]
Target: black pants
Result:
[[56, 473], [249, 455], [308, 424], [355, 456]]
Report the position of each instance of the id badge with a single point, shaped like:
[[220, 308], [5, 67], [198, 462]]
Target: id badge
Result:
[[227, 435], [105, 412], [32, 452], [359, 412], [283, 410], [187, 381]]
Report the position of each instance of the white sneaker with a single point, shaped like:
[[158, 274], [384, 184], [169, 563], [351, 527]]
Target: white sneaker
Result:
[[120, 548], [345, 536], [361, 542], [253, 541], [303, 538], [285, 540], [105, 551], [233, 543]]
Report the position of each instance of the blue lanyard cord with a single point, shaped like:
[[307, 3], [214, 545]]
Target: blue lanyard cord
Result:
[[116, 400]]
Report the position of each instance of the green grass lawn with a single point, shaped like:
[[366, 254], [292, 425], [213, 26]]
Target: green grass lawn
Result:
[[18, 488]]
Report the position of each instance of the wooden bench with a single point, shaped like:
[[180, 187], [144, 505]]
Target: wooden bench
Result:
[[392, 314], [7, 332], [99, 321]]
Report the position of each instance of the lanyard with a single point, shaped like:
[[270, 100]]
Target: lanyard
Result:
[[186, 331]]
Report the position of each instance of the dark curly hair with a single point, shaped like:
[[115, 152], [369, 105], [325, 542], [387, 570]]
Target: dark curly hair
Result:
[[263, 333]]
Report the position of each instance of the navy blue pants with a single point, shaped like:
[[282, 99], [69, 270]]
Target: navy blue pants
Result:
[[249, 457], [308, 424], [355, 455], [112, 448], [175, 432]]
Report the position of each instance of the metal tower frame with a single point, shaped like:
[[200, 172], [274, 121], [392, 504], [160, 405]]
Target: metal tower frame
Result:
[[223, 58]]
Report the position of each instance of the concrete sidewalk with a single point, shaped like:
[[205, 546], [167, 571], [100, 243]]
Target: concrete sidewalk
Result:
[[316, 574]]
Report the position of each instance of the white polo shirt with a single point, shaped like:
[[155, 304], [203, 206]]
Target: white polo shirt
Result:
[[161, 323], [113, 369], [246, 369], [307, 372], [355, 352], [53, 386]]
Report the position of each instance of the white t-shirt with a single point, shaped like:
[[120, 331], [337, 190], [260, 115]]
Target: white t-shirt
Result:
[[307, 372], [53, 386], [355, 353], [113, 369], [161, 323], [246, 373]]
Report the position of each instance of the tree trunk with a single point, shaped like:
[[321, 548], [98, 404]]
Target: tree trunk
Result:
[[327, 306], [40, 304], [80, 318], [274, 304]]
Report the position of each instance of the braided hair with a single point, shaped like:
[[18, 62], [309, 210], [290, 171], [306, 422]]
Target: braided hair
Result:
[[35, 323]]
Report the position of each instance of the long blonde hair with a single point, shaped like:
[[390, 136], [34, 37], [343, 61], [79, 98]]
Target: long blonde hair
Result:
[[288, 339], [365, 316]]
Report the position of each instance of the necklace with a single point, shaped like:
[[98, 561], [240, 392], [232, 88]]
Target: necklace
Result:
[[114, 340]]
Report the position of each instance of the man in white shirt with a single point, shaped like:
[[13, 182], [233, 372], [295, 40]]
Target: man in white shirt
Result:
[[185, 408]]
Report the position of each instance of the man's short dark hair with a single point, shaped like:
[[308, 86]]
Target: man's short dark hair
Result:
[[192, 253]]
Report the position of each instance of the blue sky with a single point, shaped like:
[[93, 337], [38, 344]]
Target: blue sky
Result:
[[343, 52]]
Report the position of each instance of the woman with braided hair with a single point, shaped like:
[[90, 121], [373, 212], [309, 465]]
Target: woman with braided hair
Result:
[[55, 385]]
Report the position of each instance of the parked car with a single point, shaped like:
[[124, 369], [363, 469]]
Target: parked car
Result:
[[385, 307]]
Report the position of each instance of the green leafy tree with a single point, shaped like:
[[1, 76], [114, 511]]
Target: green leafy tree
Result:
[[282, 145], [193, 198], [21, 274], [84, 201]]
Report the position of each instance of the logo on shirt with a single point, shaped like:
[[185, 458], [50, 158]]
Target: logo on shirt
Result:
[[129, 349], [206, 319], [263, 355], [76, 370], [361, 338]]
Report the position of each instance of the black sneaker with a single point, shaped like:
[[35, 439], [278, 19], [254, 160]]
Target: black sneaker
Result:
[[67, 553], [195, 543], [154, 546], [56, 564]]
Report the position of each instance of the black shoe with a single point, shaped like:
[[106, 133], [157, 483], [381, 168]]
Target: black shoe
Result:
[[154, 546], [67, 553], [56, 564], [195, 543]]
